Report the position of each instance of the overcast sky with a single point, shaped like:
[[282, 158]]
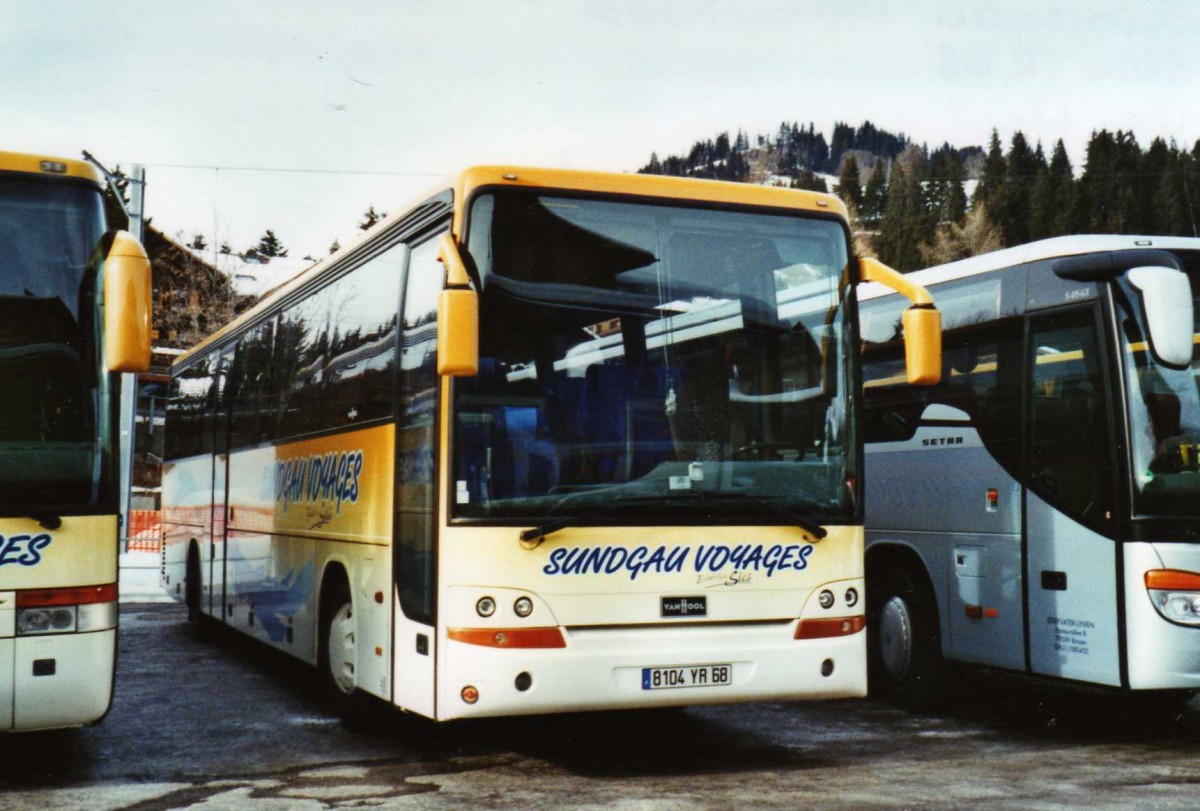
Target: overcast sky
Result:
[[368, 102]]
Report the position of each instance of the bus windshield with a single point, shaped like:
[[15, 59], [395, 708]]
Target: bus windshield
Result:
[[636, 358], [52, 444], [1164, 412]]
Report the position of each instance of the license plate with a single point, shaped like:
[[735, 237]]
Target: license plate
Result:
[[663, 678]]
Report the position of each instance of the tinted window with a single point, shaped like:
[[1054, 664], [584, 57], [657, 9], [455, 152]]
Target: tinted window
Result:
[[415, 498], [328, 361], [335, 352], [189, 411], [981, 375], [1070, 459]]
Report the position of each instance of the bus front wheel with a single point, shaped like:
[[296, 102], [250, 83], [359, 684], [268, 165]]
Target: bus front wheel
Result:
[[902, 639], [339, 646]]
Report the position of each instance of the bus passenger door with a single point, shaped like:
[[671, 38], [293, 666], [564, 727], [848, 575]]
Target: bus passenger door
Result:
[[1071, 572], [415, 557], [215, 569]]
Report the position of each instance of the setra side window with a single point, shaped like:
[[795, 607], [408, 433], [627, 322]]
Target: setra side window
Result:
[[1070, 454]]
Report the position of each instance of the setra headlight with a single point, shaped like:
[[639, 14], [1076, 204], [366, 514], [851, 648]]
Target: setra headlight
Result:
[[1175, 594]]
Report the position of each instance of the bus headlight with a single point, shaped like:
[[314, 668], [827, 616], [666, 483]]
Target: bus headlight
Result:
[[485, 607], [67, 610], [1175, 594], [523, 607], [58, 619]]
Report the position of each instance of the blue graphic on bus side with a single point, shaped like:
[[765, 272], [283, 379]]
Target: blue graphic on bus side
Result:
[[321, 477], [23, 550], [663, 560]]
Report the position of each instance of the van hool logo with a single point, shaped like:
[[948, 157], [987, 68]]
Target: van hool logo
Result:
[[684, 606], [23, 550], [330, 477]]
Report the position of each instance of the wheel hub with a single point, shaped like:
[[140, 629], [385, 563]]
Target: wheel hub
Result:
[[341, 649], [895, 637]]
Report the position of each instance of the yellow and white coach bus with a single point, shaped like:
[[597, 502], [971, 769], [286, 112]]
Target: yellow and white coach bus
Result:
[[546, 441], [75, 308], [1039, 510]]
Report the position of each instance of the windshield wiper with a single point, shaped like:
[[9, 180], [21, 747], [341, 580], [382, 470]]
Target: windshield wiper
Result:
[[531, 538], [538, 534], [46, 520], [807, 524]]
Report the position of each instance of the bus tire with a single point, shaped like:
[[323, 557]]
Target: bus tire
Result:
[[338, 655], [903, 650], [192, 588]]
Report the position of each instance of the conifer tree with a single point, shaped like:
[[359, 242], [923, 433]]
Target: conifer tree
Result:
[[1013, 201], [991, 182], [1168, 203], [947, 197], [1064, 194], [370, 217], [849, 186], [807, 179], [270, 246], [906, 222], [875, 197]]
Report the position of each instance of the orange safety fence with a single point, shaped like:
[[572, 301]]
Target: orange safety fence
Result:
[[145, 531]]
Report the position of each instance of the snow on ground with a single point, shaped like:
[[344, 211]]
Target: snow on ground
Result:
[[139, 578]]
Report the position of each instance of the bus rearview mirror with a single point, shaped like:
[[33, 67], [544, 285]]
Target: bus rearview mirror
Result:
[[458, 316], [1166, 297], [923, 345], [127, 305], [922, 322]]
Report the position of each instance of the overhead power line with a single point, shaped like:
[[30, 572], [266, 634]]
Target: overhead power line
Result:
[[294, 170]]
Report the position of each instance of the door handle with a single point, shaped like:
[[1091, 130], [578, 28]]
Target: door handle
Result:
[[1054, 581]]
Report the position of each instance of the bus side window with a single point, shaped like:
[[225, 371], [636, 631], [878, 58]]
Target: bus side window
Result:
[[980, 376], [1070, 463], [251, 420], [416, 482]]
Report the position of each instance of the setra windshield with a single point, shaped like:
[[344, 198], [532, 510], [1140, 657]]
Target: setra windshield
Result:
[[53, 440], [655, 363], [1164, 411]]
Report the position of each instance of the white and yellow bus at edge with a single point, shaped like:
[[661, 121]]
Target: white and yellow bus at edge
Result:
[[75, 301], [545, 441]]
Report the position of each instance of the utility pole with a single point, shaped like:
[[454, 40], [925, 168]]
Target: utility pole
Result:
[[129, 380], [127, 432]]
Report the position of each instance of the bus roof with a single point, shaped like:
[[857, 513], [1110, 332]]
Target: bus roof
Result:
[[678, 188], [44, 165], [1034, 252], [471, 180]]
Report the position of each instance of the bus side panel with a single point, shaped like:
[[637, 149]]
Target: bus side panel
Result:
[[945, 497], [1161, 654], [187, 488], [1072, 575], [270, 578], [297, 509], [415, 670]]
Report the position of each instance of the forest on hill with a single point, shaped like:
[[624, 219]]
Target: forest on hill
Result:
[[913, 206]]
